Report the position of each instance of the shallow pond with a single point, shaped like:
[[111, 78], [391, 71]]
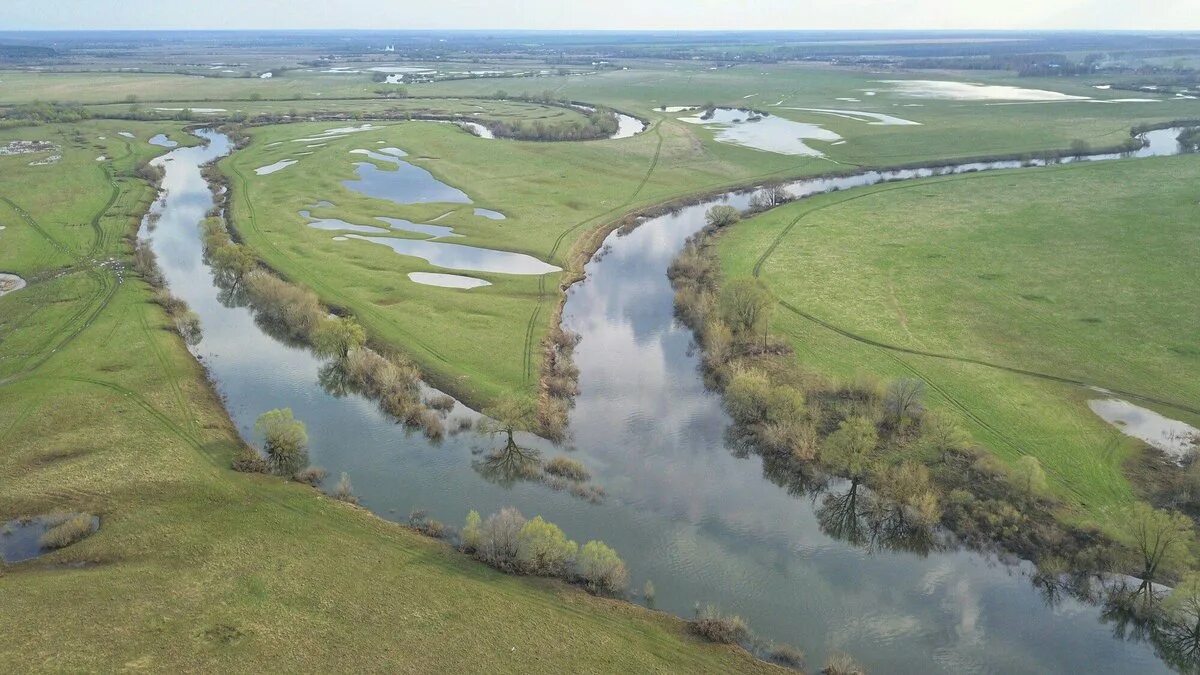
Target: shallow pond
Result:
[[447, 280], [272, 168], [20, 539], [1177, 439], [974, 91], [872, 118], [771, 133], [687, 509], [404, 184]]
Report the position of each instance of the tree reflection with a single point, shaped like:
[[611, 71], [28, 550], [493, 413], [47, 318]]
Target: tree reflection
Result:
[[861, 518]]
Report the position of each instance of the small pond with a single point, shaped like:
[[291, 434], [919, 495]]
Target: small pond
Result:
[[405, 183], [162, 141]]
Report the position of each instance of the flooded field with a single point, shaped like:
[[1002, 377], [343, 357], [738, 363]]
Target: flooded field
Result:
[[1178, 440], [770, 132]]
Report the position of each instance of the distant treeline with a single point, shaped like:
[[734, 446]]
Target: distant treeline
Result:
[[25, 52]]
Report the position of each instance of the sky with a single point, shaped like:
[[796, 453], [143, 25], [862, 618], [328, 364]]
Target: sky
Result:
[[601, 14]]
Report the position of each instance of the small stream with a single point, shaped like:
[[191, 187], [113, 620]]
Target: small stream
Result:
[[704, 521]]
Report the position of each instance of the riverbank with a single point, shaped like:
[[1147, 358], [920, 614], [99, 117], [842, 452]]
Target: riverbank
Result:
[[890, 326], [110, 414]]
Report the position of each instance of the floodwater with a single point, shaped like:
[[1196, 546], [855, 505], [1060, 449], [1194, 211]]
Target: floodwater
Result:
[[1179, 440], [974, 91], [770, 133], [687, 508], [447, 280], [404, 184], [462, 257], [10, 283]]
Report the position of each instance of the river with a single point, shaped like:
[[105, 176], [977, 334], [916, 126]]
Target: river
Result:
[[685, 510]]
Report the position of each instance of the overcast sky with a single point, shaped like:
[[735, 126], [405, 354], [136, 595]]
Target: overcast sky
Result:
[[601, 14]]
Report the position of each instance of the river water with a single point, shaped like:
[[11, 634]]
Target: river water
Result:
[[687, 511]]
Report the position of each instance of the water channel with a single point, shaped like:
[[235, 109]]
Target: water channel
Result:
[[703, 521]]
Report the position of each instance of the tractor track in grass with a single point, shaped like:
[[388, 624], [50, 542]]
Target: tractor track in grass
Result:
[[765, 256]]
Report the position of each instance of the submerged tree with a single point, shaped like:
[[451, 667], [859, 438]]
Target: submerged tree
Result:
[[285, 440]]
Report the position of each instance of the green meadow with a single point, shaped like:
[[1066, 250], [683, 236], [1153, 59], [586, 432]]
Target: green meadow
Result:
[[1084, 272]]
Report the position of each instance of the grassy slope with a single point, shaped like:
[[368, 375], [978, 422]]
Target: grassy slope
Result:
[[1084, 271], [195, 567]]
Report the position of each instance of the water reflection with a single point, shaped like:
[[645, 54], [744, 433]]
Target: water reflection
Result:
[[405, 183], [814, 564], [460, 257], [764, 132]]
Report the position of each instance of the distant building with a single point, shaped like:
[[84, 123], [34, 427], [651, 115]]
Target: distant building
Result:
[[390, 48]]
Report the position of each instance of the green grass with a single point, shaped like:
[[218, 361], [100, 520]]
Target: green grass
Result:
[[1084, 271], [554, 194], [103, 410]]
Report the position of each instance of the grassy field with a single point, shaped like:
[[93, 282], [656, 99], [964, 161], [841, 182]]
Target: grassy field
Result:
[[1084, 271], [556, 193], [553, 194], [103, 410]]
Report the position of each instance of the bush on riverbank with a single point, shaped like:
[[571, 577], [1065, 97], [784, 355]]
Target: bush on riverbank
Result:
[[509, 542], [917, 463]]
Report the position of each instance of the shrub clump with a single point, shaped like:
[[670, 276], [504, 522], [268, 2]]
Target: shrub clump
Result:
[[567, 468], [67, 529], [726, 629], [311, 476], [601, 568]]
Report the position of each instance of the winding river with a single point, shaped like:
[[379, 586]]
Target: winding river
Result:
[[702, 520]]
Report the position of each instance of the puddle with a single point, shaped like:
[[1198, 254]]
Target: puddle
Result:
[[678, 108], [101, 158], [876, 119], [126, 134], [272, 168], [406, 184], [446, 280], [20, 539], [488, 213], [10, 282], [770, 133], [974, 91], [162, 141], [1177, 439], [461, 257]]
